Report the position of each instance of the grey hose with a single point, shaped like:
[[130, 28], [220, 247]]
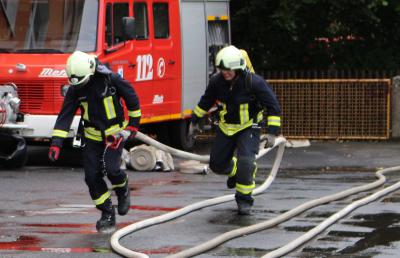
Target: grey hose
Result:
[[280, 143], [281, 218], [335, 217]]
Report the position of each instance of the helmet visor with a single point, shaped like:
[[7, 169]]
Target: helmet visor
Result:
[[78, 80]]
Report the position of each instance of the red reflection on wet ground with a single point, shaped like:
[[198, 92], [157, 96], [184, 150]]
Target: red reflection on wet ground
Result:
[[153, 208], [21, 243], [179, 182], [59, 225], [155, 182], [164, 250], [30, 243], [84, 229], [81, 232]]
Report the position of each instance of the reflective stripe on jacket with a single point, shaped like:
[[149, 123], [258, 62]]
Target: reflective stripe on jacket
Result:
[[100, 102], [238, 108]]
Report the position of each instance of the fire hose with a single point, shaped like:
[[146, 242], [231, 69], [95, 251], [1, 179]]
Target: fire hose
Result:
[[340, 214], [3, 113], [196, 250], [116, 246], [294, 212]]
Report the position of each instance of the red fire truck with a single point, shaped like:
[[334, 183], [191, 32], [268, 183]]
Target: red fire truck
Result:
[[164, 48]]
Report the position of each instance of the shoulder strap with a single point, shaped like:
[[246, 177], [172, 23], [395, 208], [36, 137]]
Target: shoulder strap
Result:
[[249, 89], [120, 115], [249, 84], [249, 81]]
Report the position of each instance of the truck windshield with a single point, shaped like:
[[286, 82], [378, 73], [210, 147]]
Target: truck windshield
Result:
[[48, 26]]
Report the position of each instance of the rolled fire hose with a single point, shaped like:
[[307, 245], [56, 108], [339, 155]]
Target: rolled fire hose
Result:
[[282, 218], [117, 247], [142, 158]]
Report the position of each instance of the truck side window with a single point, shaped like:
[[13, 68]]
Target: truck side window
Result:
[[141, 20], [109, 38], [114, 14], [161, 20], [120, 10]]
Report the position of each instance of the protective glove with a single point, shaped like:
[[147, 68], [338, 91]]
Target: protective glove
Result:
[[270, 141], [114, 140], [128, 133], [133, 131], [54, 153]]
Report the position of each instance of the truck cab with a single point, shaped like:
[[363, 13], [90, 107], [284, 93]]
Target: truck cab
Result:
[[164, 48]]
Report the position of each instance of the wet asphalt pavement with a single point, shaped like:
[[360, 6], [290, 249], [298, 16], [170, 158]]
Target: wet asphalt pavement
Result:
[[46, 210]]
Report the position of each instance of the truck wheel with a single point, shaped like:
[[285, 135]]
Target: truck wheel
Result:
[[179, 135]]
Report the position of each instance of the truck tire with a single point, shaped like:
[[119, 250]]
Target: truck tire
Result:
[[18, 161], [20, 156], [178, 132]]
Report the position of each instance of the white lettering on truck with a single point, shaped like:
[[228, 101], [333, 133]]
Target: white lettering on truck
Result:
[[144, 67], [50, 72], [158, 99]]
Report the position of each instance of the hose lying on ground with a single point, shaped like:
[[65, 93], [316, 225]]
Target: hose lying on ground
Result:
[[174, 152], [273, 222], [282, 218], [280, 143], [186, 155], [335, 217]]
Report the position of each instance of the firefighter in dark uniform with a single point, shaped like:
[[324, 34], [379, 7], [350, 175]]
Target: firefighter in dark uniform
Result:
[[98, 92], [242, 100]]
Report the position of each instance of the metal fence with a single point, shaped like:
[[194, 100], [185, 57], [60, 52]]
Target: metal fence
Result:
[[334, 108], [330, 74]]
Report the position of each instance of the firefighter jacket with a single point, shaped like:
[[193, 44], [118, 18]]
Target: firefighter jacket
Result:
[[100, 102], [241, 105]]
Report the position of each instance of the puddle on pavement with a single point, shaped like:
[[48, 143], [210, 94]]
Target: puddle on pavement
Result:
[[71, 238], [385, 230], [238, 252]]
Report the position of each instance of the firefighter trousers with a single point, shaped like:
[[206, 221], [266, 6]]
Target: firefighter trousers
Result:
[[241, 167], [97, 163]]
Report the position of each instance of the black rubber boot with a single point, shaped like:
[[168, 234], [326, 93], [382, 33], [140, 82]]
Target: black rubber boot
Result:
[[106, 224], [124, 199], [231, 182], [244, 203]]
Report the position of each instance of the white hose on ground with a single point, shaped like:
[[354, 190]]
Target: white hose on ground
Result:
[[335, 217], [117, 247], [183, 154], [174, 152], [281, 218]]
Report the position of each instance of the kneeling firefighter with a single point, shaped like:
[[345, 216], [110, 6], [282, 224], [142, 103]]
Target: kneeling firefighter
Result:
[[98, 93], [242, 97]]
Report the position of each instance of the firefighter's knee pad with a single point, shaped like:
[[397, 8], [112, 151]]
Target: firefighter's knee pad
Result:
[[245, 170], [221, 168]]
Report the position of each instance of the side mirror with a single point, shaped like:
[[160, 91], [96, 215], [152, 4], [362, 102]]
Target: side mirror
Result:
[[128, 28]]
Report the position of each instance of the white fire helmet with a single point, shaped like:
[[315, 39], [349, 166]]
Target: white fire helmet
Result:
[[230, 58], [80, 66]]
